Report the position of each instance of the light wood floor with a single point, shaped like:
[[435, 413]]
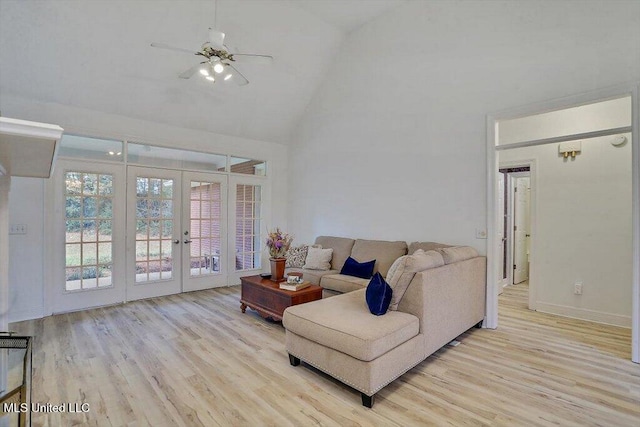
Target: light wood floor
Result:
[[194, 359]]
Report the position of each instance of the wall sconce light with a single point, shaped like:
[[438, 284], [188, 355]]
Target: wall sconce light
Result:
[[570, 148]]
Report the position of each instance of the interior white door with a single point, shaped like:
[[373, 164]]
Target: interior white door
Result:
[[500, 235], [87, 223], [153, 232], [520, 233], [204, 231]]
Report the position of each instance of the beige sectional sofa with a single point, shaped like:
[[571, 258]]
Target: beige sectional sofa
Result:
[[339, 335], [334, 283]]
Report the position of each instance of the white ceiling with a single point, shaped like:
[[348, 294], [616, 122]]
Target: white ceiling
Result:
[[96, 55]]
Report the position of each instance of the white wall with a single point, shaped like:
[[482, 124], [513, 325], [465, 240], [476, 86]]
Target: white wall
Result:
[[26, 251], [5, 183], [582, 230], [393, 144], [27, 204], [610, 114]]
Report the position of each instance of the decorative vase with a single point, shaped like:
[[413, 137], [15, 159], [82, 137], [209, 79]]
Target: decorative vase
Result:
[[277, 268]]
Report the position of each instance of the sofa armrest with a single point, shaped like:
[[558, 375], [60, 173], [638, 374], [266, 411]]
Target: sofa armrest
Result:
[[448, 300]]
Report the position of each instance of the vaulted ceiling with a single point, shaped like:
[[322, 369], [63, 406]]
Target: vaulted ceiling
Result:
[[97, 55]]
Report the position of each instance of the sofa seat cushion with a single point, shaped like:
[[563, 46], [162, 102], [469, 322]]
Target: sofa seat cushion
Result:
[[343, 283], [311, 276], [344, 323]]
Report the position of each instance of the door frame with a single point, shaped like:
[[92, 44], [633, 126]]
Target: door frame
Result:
[[54, 292], [632, 90], [533, 176]]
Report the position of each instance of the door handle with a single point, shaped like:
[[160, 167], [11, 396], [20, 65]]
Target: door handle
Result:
[[187, 241], [177, 241]]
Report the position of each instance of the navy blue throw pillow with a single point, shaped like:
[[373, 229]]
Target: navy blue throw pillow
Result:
[[378, 295], [364, 270]]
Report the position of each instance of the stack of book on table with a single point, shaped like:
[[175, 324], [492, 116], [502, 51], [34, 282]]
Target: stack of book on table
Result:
[[294, 286]]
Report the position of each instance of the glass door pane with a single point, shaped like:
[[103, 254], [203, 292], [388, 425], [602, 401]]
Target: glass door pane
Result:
[[88, 230], [204, 220], [153, 233], [154, 229]]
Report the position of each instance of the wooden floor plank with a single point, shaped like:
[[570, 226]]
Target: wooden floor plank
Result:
[[194, 359]]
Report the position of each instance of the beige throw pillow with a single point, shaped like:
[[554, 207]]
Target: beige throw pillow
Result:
[[404, 268], [318, 259], [457, 253]]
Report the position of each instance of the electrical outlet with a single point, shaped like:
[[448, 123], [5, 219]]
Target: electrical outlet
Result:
[[481, 233], [577, 288], [18, 229]]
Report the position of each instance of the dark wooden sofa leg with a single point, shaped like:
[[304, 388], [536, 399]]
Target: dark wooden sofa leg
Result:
[[479, 324], [367, 400], [294, 360]]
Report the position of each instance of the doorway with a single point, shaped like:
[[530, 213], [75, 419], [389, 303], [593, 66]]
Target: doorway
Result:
[[514, 225], [621, 130], [176, 235]]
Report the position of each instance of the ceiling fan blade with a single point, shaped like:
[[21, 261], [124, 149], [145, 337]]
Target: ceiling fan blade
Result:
[[216, 38], [191, 71], [237, 76], [168, 47], [256, 58]]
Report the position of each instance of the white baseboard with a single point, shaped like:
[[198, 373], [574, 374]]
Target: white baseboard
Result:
[[28, 314], [584, 314]]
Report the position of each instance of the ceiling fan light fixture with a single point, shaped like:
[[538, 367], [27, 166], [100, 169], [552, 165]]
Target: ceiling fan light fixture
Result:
[[210, 78], [218, 68], [204, 71], [228, 76]]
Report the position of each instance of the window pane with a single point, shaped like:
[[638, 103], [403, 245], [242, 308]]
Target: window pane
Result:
[[89, 231], [175, 158], [73, 207], [105, 255], [248, 166], [247, 228], [90, 184], [105, 185], [72, 255], [90, 148]]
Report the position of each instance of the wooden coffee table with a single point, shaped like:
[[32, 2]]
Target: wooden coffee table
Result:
[[265, 296]]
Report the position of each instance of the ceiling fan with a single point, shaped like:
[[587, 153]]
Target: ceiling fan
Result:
[[217, 60]]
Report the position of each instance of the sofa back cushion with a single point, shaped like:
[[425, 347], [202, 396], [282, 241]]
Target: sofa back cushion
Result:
[[457, 253], [384, 252], [404, 268], [426, 246], [341, 249]]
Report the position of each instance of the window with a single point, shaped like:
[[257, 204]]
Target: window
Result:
[[88, 236], [248, 219], [248, 166]]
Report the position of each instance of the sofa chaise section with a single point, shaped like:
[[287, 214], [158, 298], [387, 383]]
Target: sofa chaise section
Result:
[[339, 336]]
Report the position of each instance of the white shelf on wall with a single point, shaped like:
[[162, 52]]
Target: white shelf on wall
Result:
[[27, 148]]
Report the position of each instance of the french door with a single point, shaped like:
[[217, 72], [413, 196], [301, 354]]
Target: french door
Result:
[[176, 231], [132, 232], [86, 220]]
